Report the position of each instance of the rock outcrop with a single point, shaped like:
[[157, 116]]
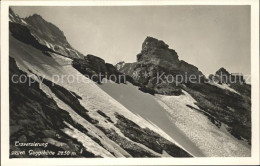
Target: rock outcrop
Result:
[[97, 69], [158, 68], [158, 53], [126, 68]]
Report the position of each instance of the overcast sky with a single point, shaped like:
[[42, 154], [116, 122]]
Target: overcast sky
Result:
[[208, 37]]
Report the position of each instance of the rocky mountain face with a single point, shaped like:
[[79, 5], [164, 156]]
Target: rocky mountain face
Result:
[[42, 33], [97, 69], [222, 76], [157, 68]]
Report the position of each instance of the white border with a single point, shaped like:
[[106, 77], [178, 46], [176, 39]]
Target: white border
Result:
[[254, 159]]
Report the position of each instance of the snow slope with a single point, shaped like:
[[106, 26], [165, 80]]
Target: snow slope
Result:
[[30, 59], [191, 129], [147, 107], [210, 139]]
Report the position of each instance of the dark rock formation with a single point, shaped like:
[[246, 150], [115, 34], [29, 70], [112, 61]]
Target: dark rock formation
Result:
[[69, 98], [126, 68], [235, 81], [157, 52], [244, 89], [45, 33], [46, 30], [158, 68], [148, 138], [132, 148], [96, 69], [95, 63], [145, 136], [105, 116], [222, 71]]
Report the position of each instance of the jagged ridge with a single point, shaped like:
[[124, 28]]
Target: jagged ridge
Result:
[[45, 33]]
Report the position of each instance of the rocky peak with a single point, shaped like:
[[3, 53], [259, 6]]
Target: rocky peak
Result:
[[119, 65], [156, 52], [96, 69], [44, 33], [222, 71], [157, 58], [47, 30], [35, 16], [222, 76], [152, 43]]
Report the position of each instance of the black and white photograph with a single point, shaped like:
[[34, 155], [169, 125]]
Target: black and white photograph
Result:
[[130, 81]]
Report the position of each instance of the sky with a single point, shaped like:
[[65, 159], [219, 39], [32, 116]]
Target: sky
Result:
[[209, 37]]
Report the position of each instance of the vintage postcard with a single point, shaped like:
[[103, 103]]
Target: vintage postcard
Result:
[[129, 82]]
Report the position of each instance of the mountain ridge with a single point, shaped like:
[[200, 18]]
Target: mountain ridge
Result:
[[82, 126], [46, 34], [100, 125]]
